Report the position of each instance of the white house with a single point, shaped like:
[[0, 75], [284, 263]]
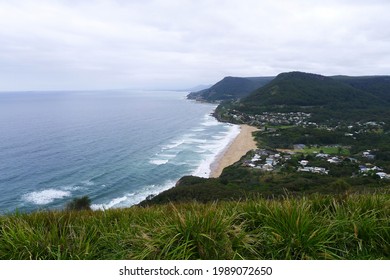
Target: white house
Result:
[[304, 162]]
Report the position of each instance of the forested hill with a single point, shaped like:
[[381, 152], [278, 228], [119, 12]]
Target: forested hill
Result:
[[304, 89], [377, 85], [325, 97], [230, 88]]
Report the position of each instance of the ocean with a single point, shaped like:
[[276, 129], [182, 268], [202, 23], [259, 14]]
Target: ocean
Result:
[[116, 146]]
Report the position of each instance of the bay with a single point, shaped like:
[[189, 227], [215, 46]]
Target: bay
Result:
[[116, 146]]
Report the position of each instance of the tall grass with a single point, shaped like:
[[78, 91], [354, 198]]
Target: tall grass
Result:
[[319, 227]]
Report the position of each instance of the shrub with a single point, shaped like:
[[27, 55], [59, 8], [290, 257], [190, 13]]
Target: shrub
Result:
[[79, 203]]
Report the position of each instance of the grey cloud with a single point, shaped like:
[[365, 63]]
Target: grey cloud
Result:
[[116, 44]]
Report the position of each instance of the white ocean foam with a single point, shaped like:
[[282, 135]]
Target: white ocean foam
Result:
[[159, 161], [200, 150], [218, 137], [196, 140], [88, 183], [198, 129], [186, 139], [136, 197], [114, 202], [204, 168], [163, 158], [212, 146], [167, 156], [72, 188], [215, 148], [45, 196], [174, 144], [210, 121]]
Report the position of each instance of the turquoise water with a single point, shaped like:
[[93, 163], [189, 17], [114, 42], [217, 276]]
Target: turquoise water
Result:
[[117, 147]]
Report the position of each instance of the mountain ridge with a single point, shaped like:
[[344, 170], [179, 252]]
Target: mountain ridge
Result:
[[324, 97], [230, 88]]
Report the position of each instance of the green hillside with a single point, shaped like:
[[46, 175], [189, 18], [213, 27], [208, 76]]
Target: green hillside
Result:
[[230, 88], [376, 85], [304, 89], [323, 97]]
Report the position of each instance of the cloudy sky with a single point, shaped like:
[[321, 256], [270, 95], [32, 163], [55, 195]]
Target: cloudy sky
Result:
[[88, 44]]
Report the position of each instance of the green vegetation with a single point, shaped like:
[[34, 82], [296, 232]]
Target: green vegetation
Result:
[[316, 227], [333, 142], [326, 149], [377, 85], [78, 204], [325, 200], [340, 158], [305, 89], [230, 88], [326, 99], [241, 183]]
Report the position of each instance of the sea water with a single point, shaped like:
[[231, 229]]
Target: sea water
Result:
[[117, 147]]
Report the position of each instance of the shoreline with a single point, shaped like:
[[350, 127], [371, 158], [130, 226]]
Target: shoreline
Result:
[[243, 143]]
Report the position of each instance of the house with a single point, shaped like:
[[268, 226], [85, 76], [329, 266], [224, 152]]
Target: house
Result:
[[322, 155], [376, 168], [267, 167], [363, 168], [304, 169], [318, 170], [353, 160], [383, 175], [303, 162], [367, 154], [379, 170], [256, 157], [270, 160], [334, 160], [286, 157]]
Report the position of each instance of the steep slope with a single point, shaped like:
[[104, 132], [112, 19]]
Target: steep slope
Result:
[[322, 96], [304, 89], [376, 85], [230, 88]]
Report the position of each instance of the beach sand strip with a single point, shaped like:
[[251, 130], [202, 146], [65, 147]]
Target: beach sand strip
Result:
[[243, 143]]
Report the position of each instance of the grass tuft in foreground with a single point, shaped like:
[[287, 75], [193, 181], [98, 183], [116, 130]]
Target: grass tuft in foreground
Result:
[[318, 227]]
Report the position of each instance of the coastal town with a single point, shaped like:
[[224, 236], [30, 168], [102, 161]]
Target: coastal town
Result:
[[273, 161], [302, 119], [311, 157], [271, 118]]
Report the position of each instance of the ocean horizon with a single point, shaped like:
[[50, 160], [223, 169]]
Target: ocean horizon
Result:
[[116, 146]]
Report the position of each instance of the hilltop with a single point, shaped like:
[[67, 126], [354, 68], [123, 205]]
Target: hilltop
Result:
[[305, 89], [323, 97], [230, 88], [376, 85]]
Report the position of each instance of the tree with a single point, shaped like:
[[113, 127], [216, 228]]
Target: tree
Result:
[[340, 186], [79, 203]]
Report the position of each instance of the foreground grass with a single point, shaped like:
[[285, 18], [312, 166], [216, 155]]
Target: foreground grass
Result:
[[320, 227]]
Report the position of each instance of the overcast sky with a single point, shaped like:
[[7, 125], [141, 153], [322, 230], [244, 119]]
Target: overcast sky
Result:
[[81, 44]]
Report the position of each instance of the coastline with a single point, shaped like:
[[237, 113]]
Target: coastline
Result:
[[243, 143]]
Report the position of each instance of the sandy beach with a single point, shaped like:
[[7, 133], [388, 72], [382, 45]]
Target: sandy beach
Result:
[[243, 143]]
